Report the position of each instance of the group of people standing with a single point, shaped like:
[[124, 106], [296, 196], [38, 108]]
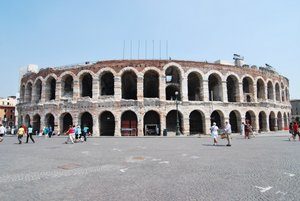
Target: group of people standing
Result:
[[23, 130], [76, 134]]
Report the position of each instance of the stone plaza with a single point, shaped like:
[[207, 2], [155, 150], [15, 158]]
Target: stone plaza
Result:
[[266, 167]]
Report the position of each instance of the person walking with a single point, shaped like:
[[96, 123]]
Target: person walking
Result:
[[85, 132], [71, 135], [2, 132], [227, 131], [50, 131], [247, 129], [214, 133], [296, 130], [29, 134], [79, 133], [242, 132], [21, 132]]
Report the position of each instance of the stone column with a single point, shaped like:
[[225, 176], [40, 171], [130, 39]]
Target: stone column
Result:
[[58, 90], [118, 88], [276, 125], [186, 126], [162, 88], [266, 93], [76, 90], [241, 94], [96, 130], [224, 90], [140, 125], [184, 89], [162, 123], [205, 91], [95, 88], [207, 125], [43, 95], [140, 88], [56, 128], [254, 93]]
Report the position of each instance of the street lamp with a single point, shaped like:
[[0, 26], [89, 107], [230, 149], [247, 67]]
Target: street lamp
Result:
[[177, 115]]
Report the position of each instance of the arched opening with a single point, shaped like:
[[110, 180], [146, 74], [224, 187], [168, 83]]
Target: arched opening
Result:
[[197, 122], [248, 89], [38, 91], [151, 84], [129, 124], [262, 121], [66, 121], [67, 84], [260, 88], [272, 121], [107, 84], [251, 118], [28, 92], [86, 85], [279, 121], [282, 93], [277, 92], [36, 123], [173, 82], [217, 117], [27, 120], [22, 93], [129, 85], [152, 123], [232, 88], [215, 87], [49, 121], [50, 89], [270, 91], [171, 121], [195, 87], [107, 124], [86, 120], [235, 121]]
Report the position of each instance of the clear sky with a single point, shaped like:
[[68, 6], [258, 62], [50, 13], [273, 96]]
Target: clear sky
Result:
[[62, 32]]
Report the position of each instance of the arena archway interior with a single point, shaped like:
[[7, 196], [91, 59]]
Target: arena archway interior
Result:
[[107, 124], [27, 120], [173, 83], [270, 91], [197, 125], [248, 89], [262, 119], [28, 92], [215, 87], [235, 121], [86, 85], [36, 123], [49, 120], [195, 87], [171, 121], [129, 85], [171, 93], [272, 121], [151, 123], [260, 89], [277, 92], [151, 84], [279, 121], [38, 91], [250, 116], [232, 88], [107, 84], [217, 117], [50, 88], [67, 86], [129, 124], [86, 119], [66, 121]]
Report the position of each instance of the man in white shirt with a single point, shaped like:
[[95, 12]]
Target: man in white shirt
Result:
[[2, 132], [227, 131]]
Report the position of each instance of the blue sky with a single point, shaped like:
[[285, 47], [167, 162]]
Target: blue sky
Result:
[[61, 32]]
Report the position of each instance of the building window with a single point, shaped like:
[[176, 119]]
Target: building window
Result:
[[5, 110]]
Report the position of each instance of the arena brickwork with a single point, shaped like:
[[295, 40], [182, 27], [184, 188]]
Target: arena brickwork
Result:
[[138, 97]]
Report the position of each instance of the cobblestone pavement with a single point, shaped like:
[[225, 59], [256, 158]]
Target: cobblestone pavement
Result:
[[181, 168]]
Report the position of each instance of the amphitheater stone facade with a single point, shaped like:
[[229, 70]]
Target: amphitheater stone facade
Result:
[[138, 97]]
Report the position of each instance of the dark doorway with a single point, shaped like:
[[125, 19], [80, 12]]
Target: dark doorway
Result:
[[262, 121], [107, 124], [235, 121], [151, 84], [129, 124], [151, 123], [215, 88], [87, 121], [196, 122], [171, 93], [107, 84], [49, 121], [67, 86], [38, 91], [87, 85], [67, 121], [27, 120], [129, 85], [232, 88], [272, 121], [195, 87], [218, 118], [36, 123], [172, 121]]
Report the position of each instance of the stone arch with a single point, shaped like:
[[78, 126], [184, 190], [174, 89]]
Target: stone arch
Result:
[[129, 85], [86, 120], [251, 118], [195, 87], [152, 123], [260, 89], [28, 92], [38, 88], [171, 92], [171, 121], [151, 84], [66, 120], [217, 116], [27, 120], [248, 89], [262, 120], [272, 121], [270, 91], [86, 84], [232, 83], [279, 121], [107, 83], [175, 65], [235, 121], [129, 123], [67, 85], [49, 120], [173, 81], [215, 87], [277, 91], [107, 124], [22, 92], [282, 93], [50, 88], [197, 122], [36, 123]]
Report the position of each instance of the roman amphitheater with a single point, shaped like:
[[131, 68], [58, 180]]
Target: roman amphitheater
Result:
[[141, 97]]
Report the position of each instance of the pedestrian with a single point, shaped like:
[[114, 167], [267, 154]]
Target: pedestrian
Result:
[[242, 132], [50, 131], [46, 131], [80, 133], [247, 129], [296, 130], [85, 132], [21, 132], [227, 131], [71, 134], [77, 134], [2, 132], [29, 134], [214, 133]]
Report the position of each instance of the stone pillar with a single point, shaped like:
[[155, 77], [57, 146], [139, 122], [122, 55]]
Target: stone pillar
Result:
[[162, 123], [162, 88], [241, 94], [56, 128], [96, 130], [224, 90], [186, 126], [43, 95], [58, 90], [140, 88], [207, 125], [257, 123], [274, 93], [117, 125], [118, 89], [205, 91], [276, 125], [266, 93], [254, 93], [95, 88], [140, 125], [184, 89], [76, 90]]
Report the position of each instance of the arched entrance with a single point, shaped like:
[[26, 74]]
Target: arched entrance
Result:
[[129, 85], [66, 121], [262, 118], [50, 88], [215, 87], [86, 120], [248, 89], [171, 121], [235, 121], [279, 121], [49, 120], [272, 121], [36, 123], [151, 84], [173, 83], [86, 85], [232, 88], [129, 124], [27, 120], [107, 124], [151, 123], [277, 92], [250, 117], [37, 91], [195, 92], [270, 91], [217, 117], [260, 89], [107, 84], [197, 120], [67, 84]]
